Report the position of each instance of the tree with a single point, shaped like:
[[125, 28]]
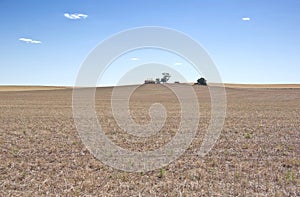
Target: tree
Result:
[[202, 81], [157, 80], [166, 77]]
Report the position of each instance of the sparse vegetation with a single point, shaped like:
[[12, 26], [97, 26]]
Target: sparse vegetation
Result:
[[50, 159], [247, 135], [162, 173], [290, 176]]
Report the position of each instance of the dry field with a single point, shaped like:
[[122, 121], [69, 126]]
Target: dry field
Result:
[[257, 154], [28, 88]]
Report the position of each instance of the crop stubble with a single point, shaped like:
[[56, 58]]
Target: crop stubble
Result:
[[258, 152]]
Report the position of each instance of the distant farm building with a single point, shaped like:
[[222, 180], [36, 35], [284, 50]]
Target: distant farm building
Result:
[[149, 81]]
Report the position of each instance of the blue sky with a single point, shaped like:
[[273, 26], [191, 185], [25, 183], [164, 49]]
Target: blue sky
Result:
[[264, 49]]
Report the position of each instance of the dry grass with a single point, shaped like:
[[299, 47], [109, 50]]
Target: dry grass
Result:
[[258, 153], [28, 88], [267, 86]]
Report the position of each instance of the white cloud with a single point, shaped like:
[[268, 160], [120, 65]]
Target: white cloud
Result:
[[178, 64], [134, 58], [75, 16], [28, 40], [246, 19]]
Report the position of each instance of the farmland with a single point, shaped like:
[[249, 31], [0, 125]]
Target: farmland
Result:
[[257, 154]]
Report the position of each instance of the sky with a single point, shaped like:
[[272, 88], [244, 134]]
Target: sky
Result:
[[250, 41]]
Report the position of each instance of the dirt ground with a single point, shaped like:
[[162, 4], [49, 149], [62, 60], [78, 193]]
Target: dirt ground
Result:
[[257, 154]]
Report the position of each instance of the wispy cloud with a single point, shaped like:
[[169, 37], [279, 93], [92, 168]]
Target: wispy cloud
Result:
[[246, 19], [75, 16], [134, 58], [178, 64], [28, 40]]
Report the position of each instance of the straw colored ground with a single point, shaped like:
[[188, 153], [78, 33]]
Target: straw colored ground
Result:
[[28, 88], [257, 154]]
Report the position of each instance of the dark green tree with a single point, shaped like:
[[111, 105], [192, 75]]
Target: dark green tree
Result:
[[202, 81]]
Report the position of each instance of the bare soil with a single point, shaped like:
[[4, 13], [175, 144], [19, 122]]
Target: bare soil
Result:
[[257, 154]]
